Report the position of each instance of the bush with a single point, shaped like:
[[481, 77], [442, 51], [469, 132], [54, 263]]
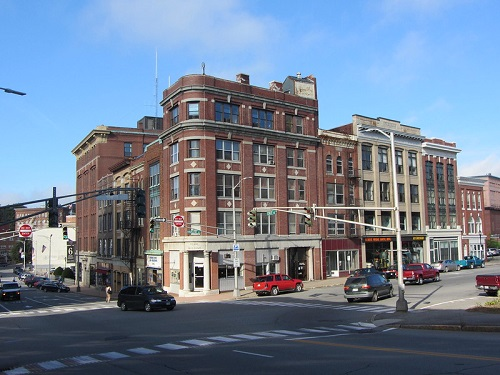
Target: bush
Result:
[[68, 273], [58, 271]]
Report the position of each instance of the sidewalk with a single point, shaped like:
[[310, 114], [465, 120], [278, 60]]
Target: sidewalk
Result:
[[454, 320]]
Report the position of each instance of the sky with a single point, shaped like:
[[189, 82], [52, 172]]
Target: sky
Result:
[[430, 64]]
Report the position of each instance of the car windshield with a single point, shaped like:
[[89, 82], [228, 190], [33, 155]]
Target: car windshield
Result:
[[153, 290], [10, 286], [356, 280]]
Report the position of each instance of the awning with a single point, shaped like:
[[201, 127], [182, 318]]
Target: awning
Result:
[[100, 270]]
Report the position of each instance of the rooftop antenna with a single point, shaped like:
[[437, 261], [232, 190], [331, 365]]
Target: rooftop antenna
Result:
[[203, 68]]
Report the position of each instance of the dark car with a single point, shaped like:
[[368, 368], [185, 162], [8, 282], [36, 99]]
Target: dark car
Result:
[[54, 286], [33, 280], [365, 271], [391, 272], [371, 287], [10, 291], [145, 297]]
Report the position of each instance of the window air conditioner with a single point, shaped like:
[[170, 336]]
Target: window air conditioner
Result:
[[275, 257]]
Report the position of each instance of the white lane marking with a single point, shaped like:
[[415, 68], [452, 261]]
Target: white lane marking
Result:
[[172, 346], [247, 337], [113, 355], [51, 365], [84, 359], [198, 342], [223, 339], [255, 354], [446, 302], [18, 371]]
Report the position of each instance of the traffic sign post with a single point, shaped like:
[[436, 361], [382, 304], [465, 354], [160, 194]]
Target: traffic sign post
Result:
[[179, 221], [25, 230]]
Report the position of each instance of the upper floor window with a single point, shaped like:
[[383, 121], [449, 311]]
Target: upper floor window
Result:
[[174, 188], [429, 171], [174, 153], [174, 115], [368, 190], [414, 193], [294, 157], [193, 110], [440, 172], [335, 194], [227, 112], [194, 184], [339, 165], [296, 189], [401, 193], [336, 227], [263, 187], [399, 162], [366, 155], [350, 167], [127, 149], [329, 164], [194, 148], [384, 192], [227, 150], [225, 184], [412, 163], [294, 124], [262, 118], [263, 154], [383, 164]]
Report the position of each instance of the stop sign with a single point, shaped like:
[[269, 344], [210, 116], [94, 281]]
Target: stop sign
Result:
[[179, 221], [25, 230]]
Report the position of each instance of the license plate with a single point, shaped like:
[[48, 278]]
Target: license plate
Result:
[[354, 289]]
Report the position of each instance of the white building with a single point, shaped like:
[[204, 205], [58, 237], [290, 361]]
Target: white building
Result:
[[51, 250]]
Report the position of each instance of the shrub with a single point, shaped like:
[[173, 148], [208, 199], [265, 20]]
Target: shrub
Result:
[[68, 273], [58, 271]]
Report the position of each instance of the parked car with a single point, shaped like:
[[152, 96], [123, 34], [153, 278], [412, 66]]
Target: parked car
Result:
[[391, 272], [365, 271], [489, 283], [470, 261], [275, 283], [18, 270], [446, 265], [54, 286], [32, 280], [10, 291], [146, 297], [370, 286], [38, 283], [419, 272]]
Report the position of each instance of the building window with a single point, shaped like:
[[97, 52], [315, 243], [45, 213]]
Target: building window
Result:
[[414, 193], [174, 116], [193, 110], [335, 194], [292, 224], [300, 158], [225, 222], [401, 193], [399, 162], [384, 192], [194, 148], [386, 218], [227, 112], [174, 153], [402, 221], [262, 118], [415, 221], [440, 172], [194, 184], [383, 165], [264, 187], [127, 149], [369, 219], [368, 190], [295, 158], [335, 227], [225, 184], [194, 223], [339, 165], [350, 167], [263, 154], [294, 124], [366, 155], [227, 150], [266, 224], [174, 188], [412, 163], [329, 165], [296, 189]]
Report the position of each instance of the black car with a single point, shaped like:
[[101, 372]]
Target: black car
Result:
[[365, 271], [371, 287], [54, 286], [10, 291], [147, 297]]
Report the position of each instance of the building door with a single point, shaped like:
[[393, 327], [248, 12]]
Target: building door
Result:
[[198, 273]]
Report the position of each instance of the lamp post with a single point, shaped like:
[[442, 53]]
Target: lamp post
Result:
[[236, 292], [50, 254], [401, 303], [481, 247], [10, 91]]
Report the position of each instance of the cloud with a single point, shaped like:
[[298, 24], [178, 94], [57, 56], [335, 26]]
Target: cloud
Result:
[[481, 167]]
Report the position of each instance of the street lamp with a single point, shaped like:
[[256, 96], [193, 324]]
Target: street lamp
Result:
[[10, 91], [236, 292], [401, 303]]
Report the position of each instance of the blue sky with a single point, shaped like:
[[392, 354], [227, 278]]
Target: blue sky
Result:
[[431, 64]]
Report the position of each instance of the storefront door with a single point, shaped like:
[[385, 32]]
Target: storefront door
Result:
[[198, 273]]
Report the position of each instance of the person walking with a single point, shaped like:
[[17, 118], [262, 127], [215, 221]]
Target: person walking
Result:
[[108, 293]]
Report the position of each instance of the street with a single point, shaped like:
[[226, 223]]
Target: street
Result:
[[315, 331]]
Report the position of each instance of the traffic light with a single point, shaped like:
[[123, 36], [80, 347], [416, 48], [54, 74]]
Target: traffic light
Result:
[[65, 233], [152, 225], [140, 203], [51, 205], [309, 216], [252, 218]]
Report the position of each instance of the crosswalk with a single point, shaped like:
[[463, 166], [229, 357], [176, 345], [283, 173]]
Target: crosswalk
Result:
[[70, 362], [309, 305], [53, 310]]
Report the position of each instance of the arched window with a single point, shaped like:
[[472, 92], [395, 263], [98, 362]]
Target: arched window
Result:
[[471, 225], [479, 225], [329, 164], [339, 165]]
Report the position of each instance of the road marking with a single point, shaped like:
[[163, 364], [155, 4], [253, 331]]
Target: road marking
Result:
[[113, 355], [51, 365], [198, 342], [172, 346], [446, 302], [143, 351], [256, 354]]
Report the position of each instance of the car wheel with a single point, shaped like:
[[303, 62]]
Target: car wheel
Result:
[[437, 278], [45, 290], [58, 290], [391, 292], [459, 268], [482, 265], [147, 306], [471, 265], [298, 288], [420, 280], [375, 297], [275, 291], [123, 306], [170, 308], [350, 300], [446, 269]]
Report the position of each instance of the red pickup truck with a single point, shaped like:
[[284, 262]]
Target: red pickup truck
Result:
[[489, 283], [419, 272]]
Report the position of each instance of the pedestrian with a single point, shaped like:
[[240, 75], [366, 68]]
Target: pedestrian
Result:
[[108, 293]]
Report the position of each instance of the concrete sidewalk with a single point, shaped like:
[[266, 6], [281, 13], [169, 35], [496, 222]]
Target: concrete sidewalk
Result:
[[455, 320]]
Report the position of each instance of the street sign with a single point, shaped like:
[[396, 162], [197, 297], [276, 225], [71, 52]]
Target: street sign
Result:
[[179, 221], [194, 231], [25, 230], [236, 247], [236, 262], [272, 212]]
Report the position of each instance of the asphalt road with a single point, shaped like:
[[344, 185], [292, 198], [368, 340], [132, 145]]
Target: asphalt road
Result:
[[312, 332]]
